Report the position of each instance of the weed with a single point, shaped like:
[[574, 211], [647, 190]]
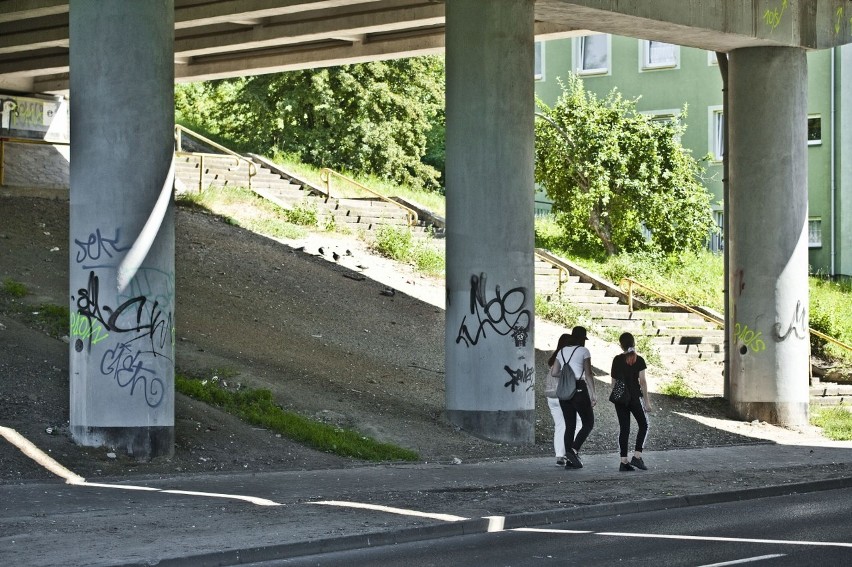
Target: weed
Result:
[[562, 312], [14, 289], [836, 422], [429, 260], [259, 408], [678, 388], [303, 215], [394, 242]]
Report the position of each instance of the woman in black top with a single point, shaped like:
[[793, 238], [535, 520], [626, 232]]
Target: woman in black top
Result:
[[630, 367]]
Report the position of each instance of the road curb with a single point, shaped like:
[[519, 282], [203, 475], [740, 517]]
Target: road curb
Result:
[[484, 525]]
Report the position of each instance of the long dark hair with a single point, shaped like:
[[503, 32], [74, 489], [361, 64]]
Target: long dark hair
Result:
[[628, 345], [564, 341]]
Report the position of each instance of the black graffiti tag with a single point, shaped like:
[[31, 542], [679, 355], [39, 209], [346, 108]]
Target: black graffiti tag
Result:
[[125, 367], [504, 314], [97, 245], [519, 376], [798, 325], [152, 322]]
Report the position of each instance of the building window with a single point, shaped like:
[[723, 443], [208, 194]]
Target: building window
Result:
[[659, 55], [712, 59], [591, 54], [815, 233], [717, 133], [814, 130], [717, 240], [539, 61]]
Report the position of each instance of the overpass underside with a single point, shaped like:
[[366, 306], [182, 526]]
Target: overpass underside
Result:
[[127, 55]]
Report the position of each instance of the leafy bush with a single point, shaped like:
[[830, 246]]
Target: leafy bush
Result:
[[304, 215], [562, 312], [394, 242], [428, 260]]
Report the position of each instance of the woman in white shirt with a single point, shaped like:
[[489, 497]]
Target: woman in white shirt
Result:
[[579, 358]]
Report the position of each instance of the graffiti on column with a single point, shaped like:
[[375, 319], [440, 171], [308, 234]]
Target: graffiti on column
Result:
[[503, 313], [520, 376], [7, 107], [749, 338], [138, 327], [798, 324]]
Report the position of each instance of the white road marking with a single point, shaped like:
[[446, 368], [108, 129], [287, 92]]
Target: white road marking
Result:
[[391, 510], [728, 539], [43, 459], [496, 523], [551, 531], [744, 560]]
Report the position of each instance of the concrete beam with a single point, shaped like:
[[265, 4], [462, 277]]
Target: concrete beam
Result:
[[718, 25], [237, 10], [289, 33], [14, 10]]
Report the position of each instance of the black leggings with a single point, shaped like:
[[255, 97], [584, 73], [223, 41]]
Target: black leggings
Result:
[[579, 404], [637, 408]]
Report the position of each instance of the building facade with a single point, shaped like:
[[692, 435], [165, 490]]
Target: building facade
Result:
[[669, 80]]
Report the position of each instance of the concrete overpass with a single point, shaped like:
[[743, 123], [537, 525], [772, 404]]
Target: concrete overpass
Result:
[[127, 55]]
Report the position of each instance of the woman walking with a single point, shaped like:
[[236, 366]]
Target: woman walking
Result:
[[571, 350], [630, 367]]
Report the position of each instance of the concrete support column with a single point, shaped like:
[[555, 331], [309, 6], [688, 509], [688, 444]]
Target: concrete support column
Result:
[[843, 183], [490, 357], [768, 241], [122, 277]]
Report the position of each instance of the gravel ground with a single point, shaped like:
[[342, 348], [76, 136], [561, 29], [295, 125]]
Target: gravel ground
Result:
[[328, 338]]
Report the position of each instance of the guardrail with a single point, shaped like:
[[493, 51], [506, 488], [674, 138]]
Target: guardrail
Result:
[[631, 282], [326, 174], [179, 130], [4, 141]]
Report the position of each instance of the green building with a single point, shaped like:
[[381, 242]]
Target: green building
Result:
[[667, 78]]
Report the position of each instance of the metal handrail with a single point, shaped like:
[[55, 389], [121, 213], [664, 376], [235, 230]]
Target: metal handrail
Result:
[[4, 141], [325, 177], [562, 270], [631, 282], [252, 168]]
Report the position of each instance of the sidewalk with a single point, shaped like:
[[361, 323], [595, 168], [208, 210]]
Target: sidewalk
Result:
[[237, 518]]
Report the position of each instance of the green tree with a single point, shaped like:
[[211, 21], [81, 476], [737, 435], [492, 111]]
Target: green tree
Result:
[[610, 171], [368, 118]]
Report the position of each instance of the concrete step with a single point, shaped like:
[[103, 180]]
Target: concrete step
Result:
[[830, 389]]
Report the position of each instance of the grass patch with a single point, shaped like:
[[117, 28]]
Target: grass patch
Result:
[[14, 289], [678, 388], [836, 422], [397, 243], [52, 319], [562, 313], [259, 408]]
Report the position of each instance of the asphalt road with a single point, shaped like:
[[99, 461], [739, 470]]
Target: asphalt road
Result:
[[794, 530]]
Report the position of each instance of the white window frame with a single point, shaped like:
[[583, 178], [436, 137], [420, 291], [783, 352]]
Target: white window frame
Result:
[[815, 232], [717, 241], [712, 59], [645, 63], [815, 142], [579, 51], [716, 133], [538, 65]]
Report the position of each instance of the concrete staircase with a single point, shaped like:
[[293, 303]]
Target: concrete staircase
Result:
[[673, 332], [197, 172], [831, 394]]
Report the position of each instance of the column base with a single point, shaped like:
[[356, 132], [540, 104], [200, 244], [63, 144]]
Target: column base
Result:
[[512, 427], [142, 443], [776, 413]]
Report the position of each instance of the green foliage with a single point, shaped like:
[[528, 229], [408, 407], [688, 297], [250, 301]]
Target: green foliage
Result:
[[397, 243], [303, 215], [678, 388], [371, 118], [53, 319], [612, 172], [829, 313], [394, 242], [259, 408], [836, 422], [14, 289]]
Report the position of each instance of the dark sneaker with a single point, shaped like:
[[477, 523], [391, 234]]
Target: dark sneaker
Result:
[[560, 462], [573, 461], [638, 463], [624, 467]]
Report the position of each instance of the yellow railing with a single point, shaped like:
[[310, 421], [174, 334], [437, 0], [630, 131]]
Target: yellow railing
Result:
[[326, 174], [4, 141], [562, 271], [238, 159], [631, 283]]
